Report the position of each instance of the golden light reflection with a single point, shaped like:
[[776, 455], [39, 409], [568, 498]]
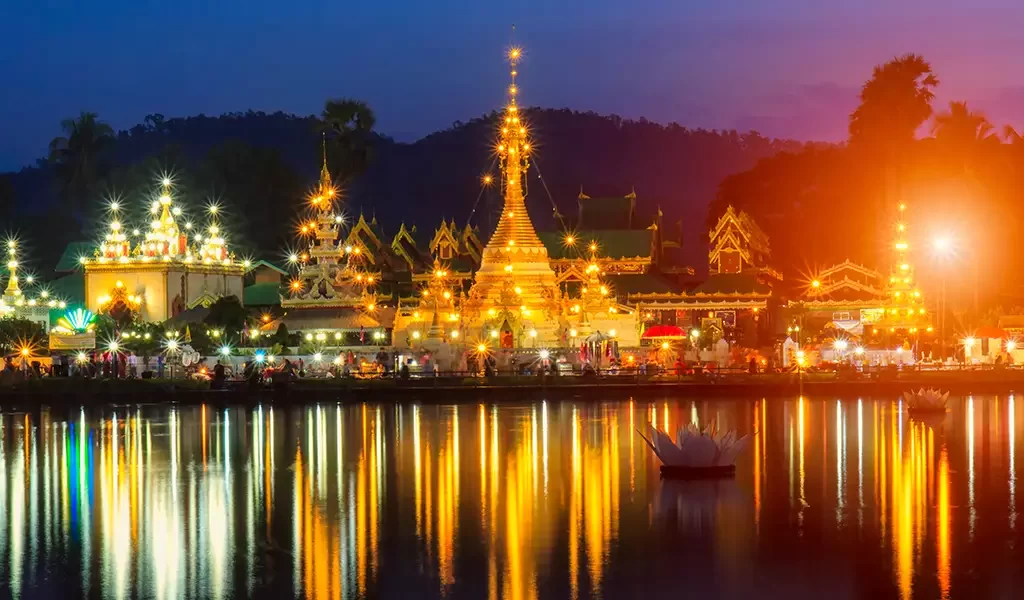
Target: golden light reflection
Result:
[[182, 503], [943, 529], [1011, 460], [972, 509]]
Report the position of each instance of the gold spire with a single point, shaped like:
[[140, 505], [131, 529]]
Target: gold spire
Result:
[[163, 239], [12, 266], [514, 226], [326, 190]]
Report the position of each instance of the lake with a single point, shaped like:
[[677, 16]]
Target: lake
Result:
[[835, 498]]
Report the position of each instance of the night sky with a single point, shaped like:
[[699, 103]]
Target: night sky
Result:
[[787, 68]]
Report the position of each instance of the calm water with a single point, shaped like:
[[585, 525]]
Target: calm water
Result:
[[837, 499]]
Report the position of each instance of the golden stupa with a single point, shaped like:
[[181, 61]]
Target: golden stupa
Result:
[[515, 300], [514, 291]]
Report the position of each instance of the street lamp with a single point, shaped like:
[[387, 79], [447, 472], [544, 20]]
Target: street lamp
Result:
[[840, 347]]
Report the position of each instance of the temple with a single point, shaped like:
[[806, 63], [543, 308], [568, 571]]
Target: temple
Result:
[[732, 301], [515, 299], [163, 272], [333, 297], [16, 303], [881, 310]]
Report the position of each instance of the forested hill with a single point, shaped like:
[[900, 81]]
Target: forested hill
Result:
[[260, 166]]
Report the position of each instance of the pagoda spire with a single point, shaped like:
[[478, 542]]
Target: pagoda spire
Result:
[[13, 290], [514, 227], [326, 187]]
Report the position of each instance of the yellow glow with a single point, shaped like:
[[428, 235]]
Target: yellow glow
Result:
[[494, 333], [904, 267], [415, 335], [664, 345], [519, 290], [816, 283], [572, 333], [481, 348], [455, 334]]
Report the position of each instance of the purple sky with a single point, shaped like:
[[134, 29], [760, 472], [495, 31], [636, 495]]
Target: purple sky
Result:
[[787, 68]]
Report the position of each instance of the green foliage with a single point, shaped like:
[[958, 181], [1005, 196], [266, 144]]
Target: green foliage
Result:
[[202, 342], [144, 339], [348, 125], [281, 337], [79, 158], [17, 333], [894, 103], [227, 314]]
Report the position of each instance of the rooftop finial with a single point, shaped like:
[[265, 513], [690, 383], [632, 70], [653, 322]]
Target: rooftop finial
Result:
[[326, 192]]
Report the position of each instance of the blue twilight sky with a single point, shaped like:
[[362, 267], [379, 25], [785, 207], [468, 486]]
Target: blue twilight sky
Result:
[[784, 67]]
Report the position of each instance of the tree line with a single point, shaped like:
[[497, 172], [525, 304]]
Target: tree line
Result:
[[959, 176]]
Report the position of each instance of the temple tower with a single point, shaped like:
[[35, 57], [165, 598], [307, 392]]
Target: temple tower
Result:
[[515, 283]]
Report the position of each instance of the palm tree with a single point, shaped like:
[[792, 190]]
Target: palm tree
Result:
[[1011, 136], [962, 128], [78, 157], [348, 127], [894, 103]]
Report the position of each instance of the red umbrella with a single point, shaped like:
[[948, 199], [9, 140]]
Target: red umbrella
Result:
[[664, 331]]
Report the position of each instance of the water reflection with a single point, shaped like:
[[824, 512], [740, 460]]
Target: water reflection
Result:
[[837, 497]]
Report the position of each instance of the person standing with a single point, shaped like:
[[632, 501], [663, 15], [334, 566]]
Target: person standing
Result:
[[133, 365]]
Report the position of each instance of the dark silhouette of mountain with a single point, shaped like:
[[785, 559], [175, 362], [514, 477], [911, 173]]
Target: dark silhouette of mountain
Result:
[[671, 167]]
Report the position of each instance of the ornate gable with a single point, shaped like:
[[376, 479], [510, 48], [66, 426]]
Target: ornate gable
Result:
[[404, 246], [737, 243], [445, 243], [471, 244], [363, 238]]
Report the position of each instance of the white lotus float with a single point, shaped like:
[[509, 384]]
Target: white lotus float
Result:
[[926, 401], [696, 453]]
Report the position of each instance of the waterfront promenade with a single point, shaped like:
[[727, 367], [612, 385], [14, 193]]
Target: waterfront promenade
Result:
[[451, 388]]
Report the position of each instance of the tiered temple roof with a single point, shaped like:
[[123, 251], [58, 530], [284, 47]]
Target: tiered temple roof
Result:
[[335, 287], [739, 274]]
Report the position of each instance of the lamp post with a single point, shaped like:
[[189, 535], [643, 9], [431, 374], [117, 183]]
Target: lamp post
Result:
[[943, 250]]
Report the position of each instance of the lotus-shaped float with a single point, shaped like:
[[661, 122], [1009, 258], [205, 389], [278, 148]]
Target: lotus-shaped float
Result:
[[926, 401], [696, 453]]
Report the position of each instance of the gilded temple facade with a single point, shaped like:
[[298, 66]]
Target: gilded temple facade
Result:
[[168, 269]]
